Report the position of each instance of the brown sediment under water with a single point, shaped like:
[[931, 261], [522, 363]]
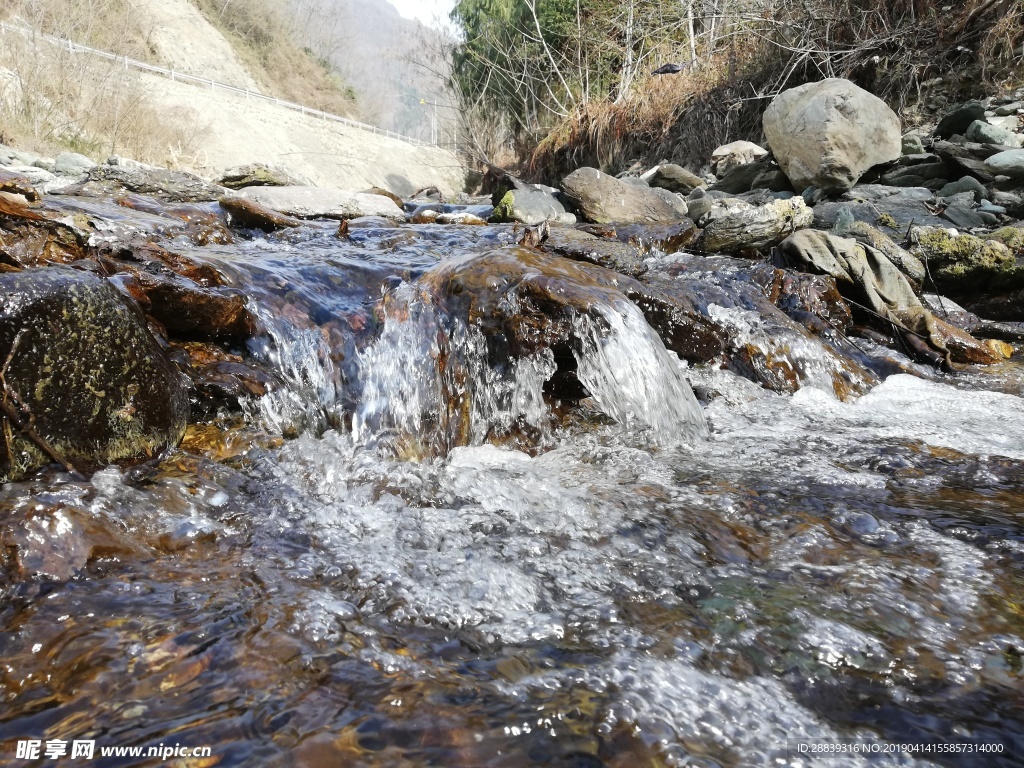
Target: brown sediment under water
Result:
[[353, 570]]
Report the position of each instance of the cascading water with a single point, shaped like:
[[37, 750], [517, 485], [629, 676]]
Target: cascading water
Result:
[[634, 379], [813, 570]]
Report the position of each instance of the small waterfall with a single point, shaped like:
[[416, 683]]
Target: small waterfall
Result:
[[313, 398], [633, 378], [427, 382]]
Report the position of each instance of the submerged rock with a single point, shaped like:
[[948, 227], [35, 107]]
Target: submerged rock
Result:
[[505, 327], [603, 199], [583, 246], [84, 375], [827, 134]]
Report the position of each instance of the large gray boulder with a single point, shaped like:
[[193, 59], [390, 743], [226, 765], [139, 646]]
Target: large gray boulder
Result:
[[603, 199], [118, 176], [984, 132], [828, 134], [85, 382], [323, 203]]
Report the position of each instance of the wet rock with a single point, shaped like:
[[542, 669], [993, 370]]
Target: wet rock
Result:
[[531, 207], [962, 264], [72, 164], [968, 321], [1009, 163], [581, 246], [754, 228], [17, 184], [677, 179], [248, 214], [669, 238], [85, 374], [958, 119], [531, 306], [762, 342], [161, 183], [603, 199], [34, 235], [984, 133], [323, 202], [827, 134], [189, 311], [56, 541], [262, 175], [729, 156]]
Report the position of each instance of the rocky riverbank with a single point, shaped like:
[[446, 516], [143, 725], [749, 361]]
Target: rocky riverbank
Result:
[[842, 228], [670, 465]]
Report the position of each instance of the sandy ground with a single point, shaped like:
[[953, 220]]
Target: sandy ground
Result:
[[233, 131]]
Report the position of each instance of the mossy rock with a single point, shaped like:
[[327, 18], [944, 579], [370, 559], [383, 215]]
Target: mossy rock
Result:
[[1011, 237], [84, 373], [963, 264]]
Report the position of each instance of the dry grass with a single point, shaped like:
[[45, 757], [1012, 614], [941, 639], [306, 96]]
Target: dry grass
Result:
[[890, 49], [262, 38], [54, 99]]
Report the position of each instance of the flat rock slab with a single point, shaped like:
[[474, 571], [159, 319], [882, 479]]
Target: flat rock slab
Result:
[[323, 203], [891, 218]]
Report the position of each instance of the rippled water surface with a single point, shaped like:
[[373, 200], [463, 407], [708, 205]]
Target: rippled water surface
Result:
[[602, 594]]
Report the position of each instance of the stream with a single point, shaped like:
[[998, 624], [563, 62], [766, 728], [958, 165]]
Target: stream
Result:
[[353, 571]]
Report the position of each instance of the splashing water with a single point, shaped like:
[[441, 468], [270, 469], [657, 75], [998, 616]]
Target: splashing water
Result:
[[634, 379]]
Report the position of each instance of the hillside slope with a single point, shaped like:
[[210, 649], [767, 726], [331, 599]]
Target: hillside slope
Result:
[[180, 39], [234, 131]]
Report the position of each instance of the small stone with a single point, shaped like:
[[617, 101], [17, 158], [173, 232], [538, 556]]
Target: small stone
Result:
[[912, 144], [984, 133], [959, 118], [729, 156], [1009, 109], [966, 184]]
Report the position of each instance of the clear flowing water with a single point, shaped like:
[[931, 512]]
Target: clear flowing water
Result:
[[623, 586]]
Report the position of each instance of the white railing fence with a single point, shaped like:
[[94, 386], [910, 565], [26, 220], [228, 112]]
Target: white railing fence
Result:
[[204, 82]]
